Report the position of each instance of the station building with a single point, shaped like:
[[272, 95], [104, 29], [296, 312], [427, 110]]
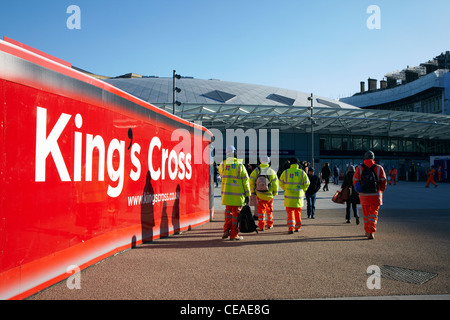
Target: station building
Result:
[[403, 124], [424, 88]]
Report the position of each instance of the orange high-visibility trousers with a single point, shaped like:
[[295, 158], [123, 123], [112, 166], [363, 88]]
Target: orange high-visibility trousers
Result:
[[430, 180], [370, 213], [231, 220], [394, 179], [265, 209], [294, 219]]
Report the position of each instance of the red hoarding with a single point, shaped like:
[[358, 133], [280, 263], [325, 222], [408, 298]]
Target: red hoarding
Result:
[[87, 170]]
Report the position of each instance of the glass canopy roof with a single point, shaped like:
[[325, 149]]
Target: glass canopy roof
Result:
[[222, 105]]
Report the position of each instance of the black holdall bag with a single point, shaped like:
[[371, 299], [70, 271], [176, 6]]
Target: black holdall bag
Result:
[[246, 222]]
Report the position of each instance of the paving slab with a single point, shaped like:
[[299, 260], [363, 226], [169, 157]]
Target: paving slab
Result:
[[327, 259]]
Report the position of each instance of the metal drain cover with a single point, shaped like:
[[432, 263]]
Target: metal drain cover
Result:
[[406, 275]]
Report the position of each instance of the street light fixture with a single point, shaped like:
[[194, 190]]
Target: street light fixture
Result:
[[312, 128], [175, 91]]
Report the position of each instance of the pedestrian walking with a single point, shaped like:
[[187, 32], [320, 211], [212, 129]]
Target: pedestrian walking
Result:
[[326, 173], [430, 179], [294, 181], [412, 172], [264, 185], [304, 166], [392, 175], [216, 175], [235, 191], [336, 175], [370, 182], [286, 165], [353, 199], [310, 194]]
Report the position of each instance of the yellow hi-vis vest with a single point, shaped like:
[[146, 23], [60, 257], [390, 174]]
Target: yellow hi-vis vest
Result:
[[235, 182], [294, 182], [264, 169]]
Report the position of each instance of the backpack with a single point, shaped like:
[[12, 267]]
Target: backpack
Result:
[[369, 180], [262, 182], [246, 222]]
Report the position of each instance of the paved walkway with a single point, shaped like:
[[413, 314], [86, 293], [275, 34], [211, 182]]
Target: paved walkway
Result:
[[328, 259]]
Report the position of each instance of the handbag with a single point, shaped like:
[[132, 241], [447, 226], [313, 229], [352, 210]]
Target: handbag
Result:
[[341, 196], [346, 193], [337, 197]]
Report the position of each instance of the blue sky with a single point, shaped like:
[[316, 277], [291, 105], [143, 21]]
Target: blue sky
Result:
[[323, 47]]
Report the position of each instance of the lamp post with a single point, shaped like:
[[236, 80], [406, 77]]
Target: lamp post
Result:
[[312, 128], [175, 90]]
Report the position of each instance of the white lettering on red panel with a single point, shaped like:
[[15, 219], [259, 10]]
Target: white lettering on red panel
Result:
[[173, 164]]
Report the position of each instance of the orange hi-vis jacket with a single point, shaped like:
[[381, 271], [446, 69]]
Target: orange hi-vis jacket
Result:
[[393, 173], [372, 198]]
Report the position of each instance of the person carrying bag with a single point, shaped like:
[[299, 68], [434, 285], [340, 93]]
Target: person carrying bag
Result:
[[353, 197]]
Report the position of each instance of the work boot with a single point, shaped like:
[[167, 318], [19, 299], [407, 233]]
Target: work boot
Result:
[[237, 238], [226, 234], [371, 236]]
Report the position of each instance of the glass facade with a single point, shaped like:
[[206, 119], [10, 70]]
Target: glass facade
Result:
[[425, 147], [430, 101], [345, 150]]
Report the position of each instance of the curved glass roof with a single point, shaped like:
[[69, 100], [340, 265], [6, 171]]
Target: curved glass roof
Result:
[[222, 104]]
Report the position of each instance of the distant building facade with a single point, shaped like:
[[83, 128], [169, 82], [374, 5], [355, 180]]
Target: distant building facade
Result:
[[425, 89]]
